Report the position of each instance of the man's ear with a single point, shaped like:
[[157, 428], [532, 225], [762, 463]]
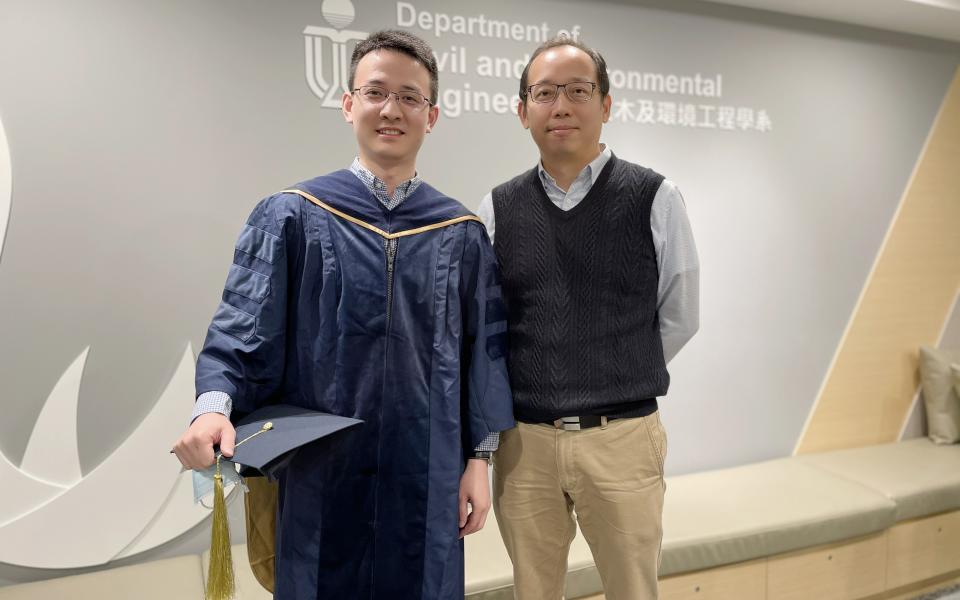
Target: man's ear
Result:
[[522, 113], [607, 102], [346, 107], [432, 117]]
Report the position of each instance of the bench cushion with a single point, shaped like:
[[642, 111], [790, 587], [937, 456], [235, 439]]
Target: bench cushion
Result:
[[737, 514], [919, 476]]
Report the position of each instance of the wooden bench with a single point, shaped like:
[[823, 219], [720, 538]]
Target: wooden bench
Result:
[[867, 523]]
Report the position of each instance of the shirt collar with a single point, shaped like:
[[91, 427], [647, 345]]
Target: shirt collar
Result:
[[592, 169], [378, 187]]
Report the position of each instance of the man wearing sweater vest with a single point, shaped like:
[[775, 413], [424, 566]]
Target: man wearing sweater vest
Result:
[[600, 276]]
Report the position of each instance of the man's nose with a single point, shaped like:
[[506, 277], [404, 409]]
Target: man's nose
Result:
[[561, 106], [390, 109]]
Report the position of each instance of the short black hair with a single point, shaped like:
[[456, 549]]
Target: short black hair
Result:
[[404, 43], [603, 80]]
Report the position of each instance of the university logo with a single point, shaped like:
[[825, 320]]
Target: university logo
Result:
[[327, 52]]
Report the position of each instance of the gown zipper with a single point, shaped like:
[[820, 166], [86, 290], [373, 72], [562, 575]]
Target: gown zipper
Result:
[[390, 250], [390, 246]]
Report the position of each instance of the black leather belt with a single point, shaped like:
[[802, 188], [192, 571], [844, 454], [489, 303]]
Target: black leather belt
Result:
[[579, 423], [627, 410]]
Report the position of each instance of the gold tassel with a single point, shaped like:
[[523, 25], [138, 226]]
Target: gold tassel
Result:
[[220, 583]]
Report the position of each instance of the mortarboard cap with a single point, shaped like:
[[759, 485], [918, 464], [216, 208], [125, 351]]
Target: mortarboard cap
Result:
[[269, 438]]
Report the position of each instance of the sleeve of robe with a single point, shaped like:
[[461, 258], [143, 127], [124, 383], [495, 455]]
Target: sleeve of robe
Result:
[[486, 404], [244, 351]]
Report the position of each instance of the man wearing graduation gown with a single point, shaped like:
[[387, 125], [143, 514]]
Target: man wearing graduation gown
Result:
[[367, 293]]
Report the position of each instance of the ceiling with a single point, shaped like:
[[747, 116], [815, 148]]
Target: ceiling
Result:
[[930, 18]]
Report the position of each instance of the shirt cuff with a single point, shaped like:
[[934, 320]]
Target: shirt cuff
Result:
[[208, 402], [490, 443]]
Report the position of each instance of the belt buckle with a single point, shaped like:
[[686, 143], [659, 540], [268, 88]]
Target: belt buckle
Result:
[[573, 423], [568, 423]]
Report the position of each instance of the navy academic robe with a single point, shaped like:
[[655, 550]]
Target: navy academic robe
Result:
[[394, 317]]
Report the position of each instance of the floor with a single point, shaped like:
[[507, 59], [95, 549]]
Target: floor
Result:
[[951, 593]]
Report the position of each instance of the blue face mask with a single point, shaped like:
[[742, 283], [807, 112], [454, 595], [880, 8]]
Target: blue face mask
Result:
[[203, 481]]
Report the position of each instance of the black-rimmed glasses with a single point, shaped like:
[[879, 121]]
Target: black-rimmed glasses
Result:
[[576, 91]]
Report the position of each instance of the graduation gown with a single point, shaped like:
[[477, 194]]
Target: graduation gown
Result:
[[394, 317]]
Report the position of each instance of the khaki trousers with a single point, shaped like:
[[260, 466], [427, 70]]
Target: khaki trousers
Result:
[[612, 476]]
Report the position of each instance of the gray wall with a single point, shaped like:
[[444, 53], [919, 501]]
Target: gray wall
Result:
[[141, 135]]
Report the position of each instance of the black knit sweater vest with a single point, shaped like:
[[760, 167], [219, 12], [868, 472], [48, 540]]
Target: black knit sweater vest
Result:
[[581, 291]]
